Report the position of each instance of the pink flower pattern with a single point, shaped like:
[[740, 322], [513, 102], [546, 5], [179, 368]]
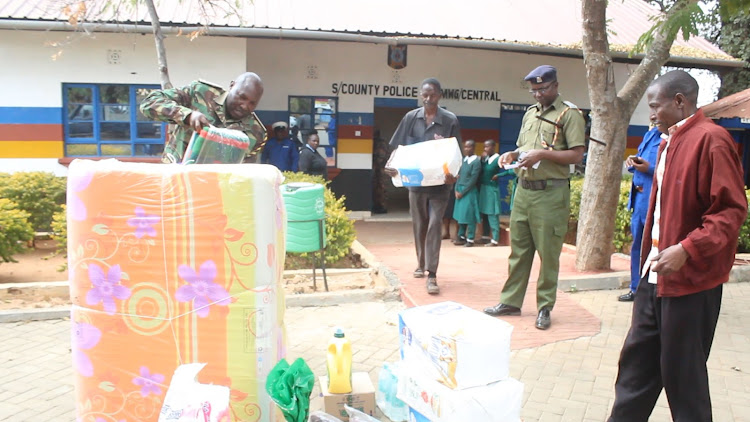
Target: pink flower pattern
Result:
[[106, 288], [143, 223], [84, 337], [149, 382], [201, 289], [76, 207]]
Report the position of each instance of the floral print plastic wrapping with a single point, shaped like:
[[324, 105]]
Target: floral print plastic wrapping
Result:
[[169, 265]]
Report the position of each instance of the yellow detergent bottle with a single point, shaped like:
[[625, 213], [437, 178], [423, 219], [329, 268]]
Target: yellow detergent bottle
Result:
[[339, 364]]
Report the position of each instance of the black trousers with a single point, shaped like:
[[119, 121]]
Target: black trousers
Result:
[[667, 347]]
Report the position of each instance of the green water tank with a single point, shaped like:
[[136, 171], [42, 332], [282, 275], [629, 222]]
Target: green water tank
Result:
[[305, 213]]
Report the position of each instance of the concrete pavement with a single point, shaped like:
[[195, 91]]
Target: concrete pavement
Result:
[[568, 371], [570, 380]]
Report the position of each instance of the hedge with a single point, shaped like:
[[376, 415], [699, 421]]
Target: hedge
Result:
[[622, 238], [15, 230], [40, 194]]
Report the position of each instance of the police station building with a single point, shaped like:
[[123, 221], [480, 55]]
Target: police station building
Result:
[[349, 68]]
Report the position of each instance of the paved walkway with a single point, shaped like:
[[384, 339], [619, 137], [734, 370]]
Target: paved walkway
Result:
[[569, 380], [473, 277], [568, 371]]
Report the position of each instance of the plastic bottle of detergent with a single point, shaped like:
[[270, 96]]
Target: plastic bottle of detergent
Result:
[[339, 364]]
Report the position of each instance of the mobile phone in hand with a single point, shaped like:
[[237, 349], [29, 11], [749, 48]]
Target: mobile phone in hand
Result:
[[636, 159]]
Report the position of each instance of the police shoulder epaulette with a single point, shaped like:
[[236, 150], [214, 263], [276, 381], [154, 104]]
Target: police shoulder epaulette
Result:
[[569, 104], [211, 84]]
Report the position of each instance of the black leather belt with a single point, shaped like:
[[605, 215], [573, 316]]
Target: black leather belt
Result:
[[542, 184]]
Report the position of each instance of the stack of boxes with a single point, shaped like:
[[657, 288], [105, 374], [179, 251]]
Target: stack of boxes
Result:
[[456, 365]]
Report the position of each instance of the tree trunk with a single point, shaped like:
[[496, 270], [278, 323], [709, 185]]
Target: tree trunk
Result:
[[161, 52], [610, 114]]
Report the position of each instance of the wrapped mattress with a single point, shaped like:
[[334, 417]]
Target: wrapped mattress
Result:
[[171, 265]]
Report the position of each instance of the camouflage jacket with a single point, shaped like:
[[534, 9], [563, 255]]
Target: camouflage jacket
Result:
[[174, 105]]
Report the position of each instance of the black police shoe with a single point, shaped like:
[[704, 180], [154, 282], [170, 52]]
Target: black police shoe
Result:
[[502, 310], [543, 321]]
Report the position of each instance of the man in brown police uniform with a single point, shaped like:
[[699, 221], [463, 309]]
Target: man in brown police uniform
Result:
[[551, 138]]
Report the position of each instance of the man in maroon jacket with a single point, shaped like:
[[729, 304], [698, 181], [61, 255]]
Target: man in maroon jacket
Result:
[[697, 206]]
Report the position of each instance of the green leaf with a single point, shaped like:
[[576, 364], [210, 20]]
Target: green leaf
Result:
[[107, 386], [101, 229]]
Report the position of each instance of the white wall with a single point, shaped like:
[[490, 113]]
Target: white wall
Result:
[[283, 66], [35, 77]]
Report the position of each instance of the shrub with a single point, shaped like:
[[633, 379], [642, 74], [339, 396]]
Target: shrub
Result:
[[15, 230], [340, 232], [40, 194], [623, 238], [60, 230], [744, 241]]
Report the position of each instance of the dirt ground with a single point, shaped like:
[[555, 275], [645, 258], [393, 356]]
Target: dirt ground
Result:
[[41, 264]]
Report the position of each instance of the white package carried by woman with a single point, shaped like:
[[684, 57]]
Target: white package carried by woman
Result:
[[425, 163]]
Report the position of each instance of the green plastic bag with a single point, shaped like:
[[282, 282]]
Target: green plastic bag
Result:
[[290, 388]]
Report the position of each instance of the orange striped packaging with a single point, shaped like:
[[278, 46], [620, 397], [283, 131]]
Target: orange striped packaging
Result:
[[168, 265]]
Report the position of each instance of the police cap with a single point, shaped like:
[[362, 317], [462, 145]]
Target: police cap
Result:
[[542, 74]]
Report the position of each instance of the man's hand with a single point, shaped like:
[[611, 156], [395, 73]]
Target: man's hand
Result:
[[669, 260], [439, 136], [459, 195], [637, 163], [197, 120], [391, 172], [508, 158], [450, 179], [494, 178], [531, 157]]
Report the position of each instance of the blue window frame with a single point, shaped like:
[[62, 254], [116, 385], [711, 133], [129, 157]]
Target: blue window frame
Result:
[[308, 114], [104, 120]]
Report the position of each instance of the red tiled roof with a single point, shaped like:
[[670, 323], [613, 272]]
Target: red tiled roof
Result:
[[735, 105], [554, 23]]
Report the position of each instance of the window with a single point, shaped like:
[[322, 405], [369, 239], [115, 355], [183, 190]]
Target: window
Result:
[[315, 114], [104, 120]]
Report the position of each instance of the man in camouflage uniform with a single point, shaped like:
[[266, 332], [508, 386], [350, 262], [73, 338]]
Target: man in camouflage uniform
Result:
[[551, 139], [200, 104]]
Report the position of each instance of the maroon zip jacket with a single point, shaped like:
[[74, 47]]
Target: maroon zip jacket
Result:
[[703, 205]]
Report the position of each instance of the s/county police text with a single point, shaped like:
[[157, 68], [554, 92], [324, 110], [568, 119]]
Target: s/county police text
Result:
[[351, 88]]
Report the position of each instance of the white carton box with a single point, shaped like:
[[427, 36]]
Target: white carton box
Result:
[[459, 347], [496, 402], [425, 163]]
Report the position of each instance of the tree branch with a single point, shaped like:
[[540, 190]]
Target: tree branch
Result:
[[657, 54]]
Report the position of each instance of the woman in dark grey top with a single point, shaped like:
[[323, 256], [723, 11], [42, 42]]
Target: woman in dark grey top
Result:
[[310, 160]]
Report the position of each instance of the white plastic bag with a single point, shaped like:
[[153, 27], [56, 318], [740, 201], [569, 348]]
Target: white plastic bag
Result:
[[187, 400], [357, 416], [425, 163]]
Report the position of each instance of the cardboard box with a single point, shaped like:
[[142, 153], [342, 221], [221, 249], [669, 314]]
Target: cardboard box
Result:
[[361, 398], [496, 402], [455, 345]]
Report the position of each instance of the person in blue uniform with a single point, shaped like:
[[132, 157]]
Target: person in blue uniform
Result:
[[642, 166], [281, 151]]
